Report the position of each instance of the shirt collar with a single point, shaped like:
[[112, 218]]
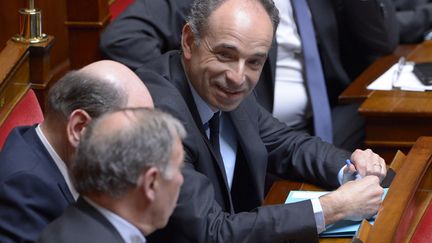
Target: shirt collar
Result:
[[204, 110], [58, 161], [127, 231]]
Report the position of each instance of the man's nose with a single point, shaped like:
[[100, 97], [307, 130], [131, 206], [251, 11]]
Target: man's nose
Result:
[[237, 73]]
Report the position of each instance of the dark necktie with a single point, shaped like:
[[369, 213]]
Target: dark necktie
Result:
[[214, 134], [314, 73]]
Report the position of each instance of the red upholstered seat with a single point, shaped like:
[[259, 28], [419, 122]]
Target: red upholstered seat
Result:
[[26, 112], [118, 6], [423, 232]]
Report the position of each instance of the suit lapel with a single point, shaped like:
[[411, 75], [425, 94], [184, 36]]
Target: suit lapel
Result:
[[43, 153], [181, 83], [248, 138], [95, 214], [66, 192]]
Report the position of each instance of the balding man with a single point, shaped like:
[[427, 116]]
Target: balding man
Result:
[[34, 184], [127, 170]]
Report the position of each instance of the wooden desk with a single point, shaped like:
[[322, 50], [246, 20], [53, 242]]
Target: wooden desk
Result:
[[279, 192], [357, 91], [405, 204], [394, 119]]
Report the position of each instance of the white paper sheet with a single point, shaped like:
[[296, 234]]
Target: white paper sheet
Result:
[[407, 80]]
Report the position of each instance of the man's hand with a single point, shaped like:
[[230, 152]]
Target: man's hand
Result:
[[365, 163], [355, 200]]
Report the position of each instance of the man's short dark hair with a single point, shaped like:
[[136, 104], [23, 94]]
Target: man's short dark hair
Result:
[[110, 162], [82, 90], [202, 9]]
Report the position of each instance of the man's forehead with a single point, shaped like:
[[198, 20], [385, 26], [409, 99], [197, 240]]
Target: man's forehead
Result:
[[260, 52], [251, 24], [247, 12]]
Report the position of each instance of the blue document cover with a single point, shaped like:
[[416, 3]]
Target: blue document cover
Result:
[[343, 228]]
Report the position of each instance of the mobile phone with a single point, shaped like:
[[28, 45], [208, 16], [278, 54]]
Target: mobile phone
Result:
[[423, 71]]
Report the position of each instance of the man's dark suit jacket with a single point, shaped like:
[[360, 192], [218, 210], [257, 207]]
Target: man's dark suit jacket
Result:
[[33, 192], [80, 222], [415, 19], [205, 211], [350, 34]]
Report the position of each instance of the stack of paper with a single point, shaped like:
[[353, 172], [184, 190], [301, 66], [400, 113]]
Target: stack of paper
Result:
[[343, 228], [406, 81]]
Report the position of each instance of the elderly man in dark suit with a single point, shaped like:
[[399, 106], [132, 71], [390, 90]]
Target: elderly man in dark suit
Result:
[[128, 173], [232, 141], [350, 34], [34, 183]]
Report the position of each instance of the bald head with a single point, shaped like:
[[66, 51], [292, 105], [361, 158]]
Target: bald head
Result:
[[121, 77], [97, 88]]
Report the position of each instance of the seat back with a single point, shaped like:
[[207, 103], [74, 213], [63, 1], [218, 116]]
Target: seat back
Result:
[[423, 232], [407, 202], [118, 6], [26, 112]]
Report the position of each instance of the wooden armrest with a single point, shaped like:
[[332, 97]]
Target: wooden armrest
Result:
[[363, 232]]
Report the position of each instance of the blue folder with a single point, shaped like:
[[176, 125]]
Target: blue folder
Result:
[[343, 228]]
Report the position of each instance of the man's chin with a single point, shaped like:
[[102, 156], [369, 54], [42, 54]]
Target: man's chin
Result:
[[221, 104], [228, 107]]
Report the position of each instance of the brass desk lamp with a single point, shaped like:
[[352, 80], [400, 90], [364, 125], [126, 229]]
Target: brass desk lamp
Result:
[[30, 25]]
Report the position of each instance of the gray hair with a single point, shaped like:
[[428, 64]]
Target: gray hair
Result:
[[202, 9], [81, 90], [110, 161]]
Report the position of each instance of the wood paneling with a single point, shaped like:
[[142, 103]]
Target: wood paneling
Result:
[[14, 76], [53, 18], [74, 27], [85, 28]]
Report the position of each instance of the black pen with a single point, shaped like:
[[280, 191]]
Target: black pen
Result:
[[356, 174]]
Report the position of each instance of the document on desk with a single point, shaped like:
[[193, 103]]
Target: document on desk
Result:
[[343, 228], [406, 80]]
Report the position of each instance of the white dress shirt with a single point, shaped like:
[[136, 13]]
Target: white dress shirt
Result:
[[227, 134], [58, 161], [291, 103], [127, 231]]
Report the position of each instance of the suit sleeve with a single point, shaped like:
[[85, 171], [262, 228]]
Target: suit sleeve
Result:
[[26, 207], [373, 23], [145, 30], [297, 155], [414, 21], [199, 218]]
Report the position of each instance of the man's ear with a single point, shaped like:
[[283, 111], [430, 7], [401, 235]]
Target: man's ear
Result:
[[78, 121], [187, 41], [148, 183]]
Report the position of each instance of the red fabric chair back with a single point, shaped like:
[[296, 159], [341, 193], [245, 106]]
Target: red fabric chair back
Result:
[[26, 112], [118, 6], [423, 232]]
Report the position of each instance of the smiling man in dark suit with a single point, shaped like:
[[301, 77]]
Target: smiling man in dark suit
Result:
[[34, 183], [349, 33], [232, 141]]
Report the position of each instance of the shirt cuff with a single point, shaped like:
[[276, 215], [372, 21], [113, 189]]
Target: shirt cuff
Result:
[[341, 174], [319, 215]]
